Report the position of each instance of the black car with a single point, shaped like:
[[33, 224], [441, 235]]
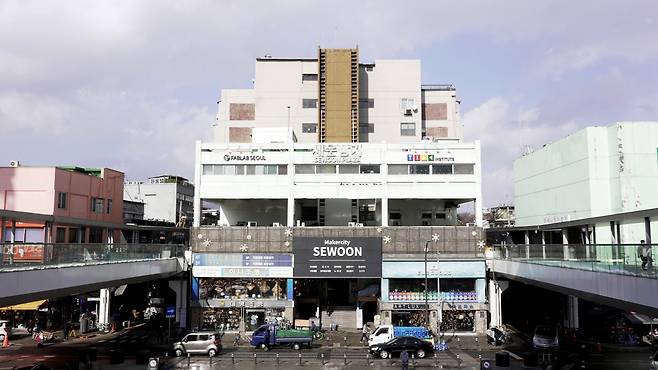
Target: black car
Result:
[[395, 346]]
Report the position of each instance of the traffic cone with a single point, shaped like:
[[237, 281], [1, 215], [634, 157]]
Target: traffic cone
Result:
[[114, 327], [5, 342]]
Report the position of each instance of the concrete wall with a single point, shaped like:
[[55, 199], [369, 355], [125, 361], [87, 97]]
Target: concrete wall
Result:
[[596, 171], [435, 125]]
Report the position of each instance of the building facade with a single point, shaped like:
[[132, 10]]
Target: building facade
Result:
[[598, 185], [76, 193], [325, 175], [166, 198]]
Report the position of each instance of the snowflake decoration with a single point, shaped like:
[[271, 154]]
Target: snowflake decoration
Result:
[[206, 243], [435, 237], [474, 233], [248, 237], [243, 248], [289, 232], [379, 229], [387, 239], [200, 236], [287, 243], [481, 244]]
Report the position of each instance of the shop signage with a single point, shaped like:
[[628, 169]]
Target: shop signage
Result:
[[446, 269], [228, 157], [242, 265], [426, 157], [337, 153], [337, 257], [253, 303], [409, 306]]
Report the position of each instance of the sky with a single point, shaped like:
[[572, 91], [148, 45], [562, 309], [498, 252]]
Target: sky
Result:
[[131, 85]]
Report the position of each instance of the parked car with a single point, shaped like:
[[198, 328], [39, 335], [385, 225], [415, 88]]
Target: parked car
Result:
[[546, 337], [414, 346], [385, 333], [203, 342], [5, 329]]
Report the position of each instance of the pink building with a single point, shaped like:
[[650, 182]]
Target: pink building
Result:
[[87, 204]]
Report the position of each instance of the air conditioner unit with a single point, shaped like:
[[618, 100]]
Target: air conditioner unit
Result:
[[252, 224], [351, 224], [359, 225], [276, 224], [408, 112], [14, 163]]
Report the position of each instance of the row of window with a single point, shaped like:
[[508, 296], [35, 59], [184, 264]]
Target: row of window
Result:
[[310, 169], [364, 128], [96, 204]]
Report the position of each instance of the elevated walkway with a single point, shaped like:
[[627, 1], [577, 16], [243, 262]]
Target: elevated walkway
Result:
[[607, 274], [40, 271]]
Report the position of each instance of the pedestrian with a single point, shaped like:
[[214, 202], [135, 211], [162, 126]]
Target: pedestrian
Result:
[[644, 252], [404, 358], [364, 333], [66, 330]]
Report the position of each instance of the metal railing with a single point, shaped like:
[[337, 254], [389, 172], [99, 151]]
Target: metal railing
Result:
[[28, 255], [623, 259]]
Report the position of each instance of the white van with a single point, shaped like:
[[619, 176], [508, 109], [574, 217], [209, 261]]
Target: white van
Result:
[[5, 330]]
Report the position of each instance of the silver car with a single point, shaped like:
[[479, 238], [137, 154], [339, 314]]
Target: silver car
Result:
[[546, 337], [202, 342]]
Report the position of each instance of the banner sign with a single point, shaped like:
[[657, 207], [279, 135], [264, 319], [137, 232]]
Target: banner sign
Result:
[[356, 257], [242, 265], [444, 269]]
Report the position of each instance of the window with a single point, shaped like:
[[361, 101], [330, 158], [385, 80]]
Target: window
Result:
[[309, 128], [369, 168], [239, 169], [463, 169], [398, 169], [419, 169], [190, 338], [325, 168], [348, 168], [96, 205], [309, 77], [441, 216], [407, 104], [408, 129], [283, 169], [61, 200], [442, 169], [369, 68], [309, 103], [203, 337], [304, 169], [109, 206], [367, 128], [270, 169], [366, 103], [60, 235]]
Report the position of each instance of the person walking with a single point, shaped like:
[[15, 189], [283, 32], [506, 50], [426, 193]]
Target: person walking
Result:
[[66, 330], [644, 252], [404, 358]]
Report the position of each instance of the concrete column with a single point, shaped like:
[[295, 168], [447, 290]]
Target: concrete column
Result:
[[197, 184], [496, 289], [647, 230], [478, 174], [385, 211], [290, 219], [527, 244], [180, 287], [104, 307], [543, 245], [12, 236], [587, 242], [565, 242], [2, 229], [572, 321]]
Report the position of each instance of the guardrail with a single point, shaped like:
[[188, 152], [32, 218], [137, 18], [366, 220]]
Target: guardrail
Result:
[[624, 259], [19, 255]]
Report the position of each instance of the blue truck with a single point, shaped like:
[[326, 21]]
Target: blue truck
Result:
[[269, 335]]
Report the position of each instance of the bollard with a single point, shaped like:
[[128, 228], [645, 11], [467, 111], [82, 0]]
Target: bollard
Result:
[[413, 360], [459, 362], [368, 358], [345, 341], [232, 359], [345, 358], [255, 359], [277, 359], [300, 359], [436, 360], [479, 358], [188, 360], [322, 358], [210, 361]]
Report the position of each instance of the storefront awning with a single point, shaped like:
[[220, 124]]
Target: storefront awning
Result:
[[29, 306], [637, 318]]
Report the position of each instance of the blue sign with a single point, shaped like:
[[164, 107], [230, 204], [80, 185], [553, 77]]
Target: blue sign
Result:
[[170, 312], [267, 260]]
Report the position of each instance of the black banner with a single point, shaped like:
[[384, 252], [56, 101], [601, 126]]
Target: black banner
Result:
[[358, 257]]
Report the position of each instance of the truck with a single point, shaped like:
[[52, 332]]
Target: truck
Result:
[[384, 333], [270, 335]]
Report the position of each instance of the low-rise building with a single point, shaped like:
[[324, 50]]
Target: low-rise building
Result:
[[166, 198]]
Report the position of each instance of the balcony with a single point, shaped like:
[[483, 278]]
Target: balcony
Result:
[[398, 242]]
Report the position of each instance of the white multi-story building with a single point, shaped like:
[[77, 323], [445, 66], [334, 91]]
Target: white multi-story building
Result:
[[348, 157], [165, 198]]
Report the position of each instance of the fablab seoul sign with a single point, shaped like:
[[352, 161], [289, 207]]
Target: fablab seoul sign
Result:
[[231, 157], [337, 257]]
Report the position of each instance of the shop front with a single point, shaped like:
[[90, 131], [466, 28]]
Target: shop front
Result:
[[239, 292], [455, 295], [337, 279]]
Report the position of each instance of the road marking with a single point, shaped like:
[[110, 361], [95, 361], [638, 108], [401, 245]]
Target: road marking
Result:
[[513, 355]]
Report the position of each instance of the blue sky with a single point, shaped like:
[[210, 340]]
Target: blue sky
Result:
[[130, 85]]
